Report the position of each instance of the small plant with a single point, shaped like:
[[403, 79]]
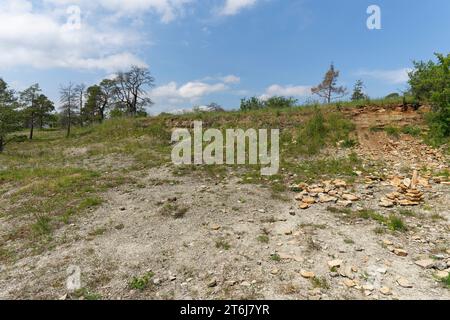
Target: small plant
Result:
[[319, 282], [446, 281], [263, 238], [87, 295], [412, 130], [392, 131], [396, 223], [222, 244], [42, 226], [173, 210], [349, 241], [275, 257], [348, 143], [141, 283]]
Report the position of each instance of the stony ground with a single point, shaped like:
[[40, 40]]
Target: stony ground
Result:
[[197, 237]]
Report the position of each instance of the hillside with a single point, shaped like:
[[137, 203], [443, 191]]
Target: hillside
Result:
[[359, 210]]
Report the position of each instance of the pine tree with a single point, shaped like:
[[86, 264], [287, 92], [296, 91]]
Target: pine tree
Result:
[[328, 89], [358, 91]]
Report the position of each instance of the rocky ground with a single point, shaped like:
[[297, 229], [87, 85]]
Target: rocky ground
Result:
[[194, 237]]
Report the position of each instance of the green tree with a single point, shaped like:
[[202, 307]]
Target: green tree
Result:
[[90, 112], [328, 89], [358, 91], [45, 108], [430, 83], [28, 99], [10, 118]]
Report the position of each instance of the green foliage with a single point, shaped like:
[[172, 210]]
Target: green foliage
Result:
[[10, 118], [280, 103], [358, 91], [222, 244], [255, 103], [394, 95], [141, 283], [396, 223], [430, 82]]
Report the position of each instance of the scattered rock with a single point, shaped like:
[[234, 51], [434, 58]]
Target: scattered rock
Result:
[[212, 283], [400, 252], [426, 263], [307, 274], [404, 283], [350, 197], [349, 283], [386, 291], [335, 264]]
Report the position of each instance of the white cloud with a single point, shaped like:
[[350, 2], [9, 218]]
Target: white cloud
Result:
[[397, 76], [190, 91], [172, 96], [41, 36], [286, 91], [231, 79], [233, 7]]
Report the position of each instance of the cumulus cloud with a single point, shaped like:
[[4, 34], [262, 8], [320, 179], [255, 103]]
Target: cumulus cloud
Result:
[[233, 7], [48, 35], [172, 96], [286, 91], [231, 79], [397, 76]]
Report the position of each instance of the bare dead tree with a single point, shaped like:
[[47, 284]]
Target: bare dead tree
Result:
[[130, 89], [69, 104], [328, 89]]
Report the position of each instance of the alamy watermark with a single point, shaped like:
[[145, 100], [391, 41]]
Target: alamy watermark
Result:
[[231, 149], [374, 19]]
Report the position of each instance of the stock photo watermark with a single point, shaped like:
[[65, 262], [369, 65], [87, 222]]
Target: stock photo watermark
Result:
[[73, 281], [229, 150], [374, 19], [73, 18]]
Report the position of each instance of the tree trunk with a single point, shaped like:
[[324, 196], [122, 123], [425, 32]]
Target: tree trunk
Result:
[[32, 126], [1, 145], [69, 122]]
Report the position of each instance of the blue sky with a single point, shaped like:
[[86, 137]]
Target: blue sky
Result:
[[218, 50]]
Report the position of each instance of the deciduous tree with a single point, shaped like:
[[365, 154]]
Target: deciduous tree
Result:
[[130, 89]]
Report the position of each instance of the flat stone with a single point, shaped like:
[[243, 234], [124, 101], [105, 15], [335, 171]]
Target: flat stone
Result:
[[349, 283], [212, 283], [309, 200], [404, 283], [304, 206], [350, 197], [400, 252], [307, 274], [426, 263], [335, 263], [327, 199], [386, 291]]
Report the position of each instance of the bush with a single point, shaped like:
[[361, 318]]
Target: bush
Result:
[[276, 102], [430, 82]]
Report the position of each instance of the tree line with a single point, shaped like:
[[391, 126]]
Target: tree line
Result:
[[124, 95]]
